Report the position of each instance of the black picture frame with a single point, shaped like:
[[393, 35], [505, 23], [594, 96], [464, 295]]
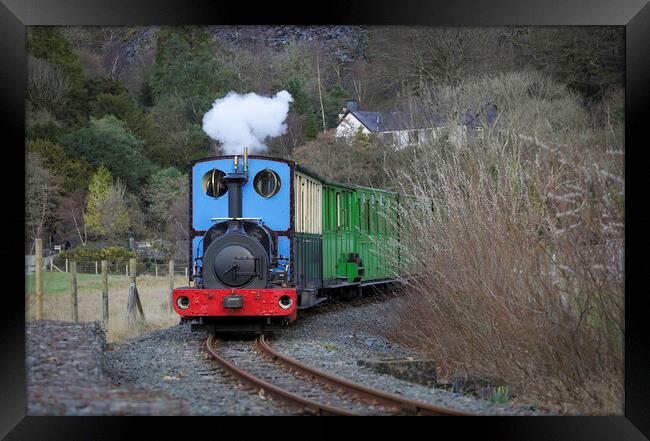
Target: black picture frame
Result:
[[633, 14]]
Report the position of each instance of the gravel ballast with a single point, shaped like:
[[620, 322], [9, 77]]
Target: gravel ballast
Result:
[[334, 338], [175, 361], [68, 374], [169, 371]]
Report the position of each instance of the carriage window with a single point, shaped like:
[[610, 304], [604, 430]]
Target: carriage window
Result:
[[380, 220], [359, 224], [338, 209], [214, 184], [367, 210], [266, 183]]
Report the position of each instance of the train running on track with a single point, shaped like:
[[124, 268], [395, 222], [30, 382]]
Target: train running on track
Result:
[[269, 237]]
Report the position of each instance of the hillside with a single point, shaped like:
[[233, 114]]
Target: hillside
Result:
[[131, 99]]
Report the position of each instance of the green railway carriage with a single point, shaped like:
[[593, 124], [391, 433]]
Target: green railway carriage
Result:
[[338, 231]]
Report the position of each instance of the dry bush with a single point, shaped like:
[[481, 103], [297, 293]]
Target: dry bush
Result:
[[519, 241], [48, 88]]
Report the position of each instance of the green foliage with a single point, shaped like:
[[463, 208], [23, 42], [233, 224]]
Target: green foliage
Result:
[[50, 131], [47, 42], [108, 142], [113, 254], [334, 100], [121, 106], [361, 138], [145, 96], [125, 109], [187, 68], [75, 172], [98, 189], [302, 104], [102, 85], [500, 395], [312, 126], [79, 108], [107, 210]]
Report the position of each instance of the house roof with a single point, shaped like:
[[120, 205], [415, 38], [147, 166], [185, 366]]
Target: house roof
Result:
[[422, 118], [488, 113], [392, 121]]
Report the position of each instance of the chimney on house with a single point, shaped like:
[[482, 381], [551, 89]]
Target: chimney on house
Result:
[[351, 105]]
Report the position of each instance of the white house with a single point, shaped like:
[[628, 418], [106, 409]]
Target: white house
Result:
[[402, 129]]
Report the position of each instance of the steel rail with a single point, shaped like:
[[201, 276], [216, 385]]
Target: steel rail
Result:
[[405, 404], [278, 392]]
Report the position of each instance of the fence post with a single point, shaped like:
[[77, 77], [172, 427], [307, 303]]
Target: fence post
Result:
[[38, 276], [186, 272], [95, 267], [171, 285], [51, 263], [105, 292], [134, 309], [66, 265], [73, 291], [126, 270], [156, 270]]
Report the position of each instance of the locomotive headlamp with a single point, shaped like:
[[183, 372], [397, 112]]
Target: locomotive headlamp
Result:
[[285, 302], [183, 302]]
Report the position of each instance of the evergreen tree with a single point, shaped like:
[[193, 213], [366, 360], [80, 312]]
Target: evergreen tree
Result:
[[187, 68], [46, 42], [140, 123], [108, 142], [74, 172]]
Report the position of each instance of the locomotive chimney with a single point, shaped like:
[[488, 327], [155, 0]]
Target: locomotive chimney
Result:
[[234, 182]]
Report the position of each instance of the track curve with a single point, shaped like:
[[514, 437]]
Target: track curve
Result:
[[380, 401]]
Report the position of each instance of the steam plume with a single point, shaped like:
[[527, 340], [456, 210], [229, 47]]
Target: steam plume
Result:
[[239, 121]]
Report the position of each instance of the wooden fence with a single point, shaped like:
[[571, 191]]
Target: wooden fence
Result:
[[134, 310], [94, 267]]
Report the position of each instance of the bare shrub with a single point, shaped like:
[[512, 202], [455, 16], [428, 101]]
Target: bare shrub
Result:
[[518, 242], [42, 190], [48, 88]]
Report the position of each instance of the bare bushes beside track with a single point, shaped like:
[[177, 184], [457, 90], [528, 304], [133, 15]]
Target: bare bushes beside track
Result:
[[519, 237]]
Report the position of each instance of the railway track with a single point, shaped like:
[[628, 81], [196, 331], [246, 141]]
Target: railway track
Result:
[[310, 389]]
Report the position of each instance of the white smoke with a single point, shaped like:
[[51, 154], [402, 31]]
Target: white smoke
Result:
[[240, 121]]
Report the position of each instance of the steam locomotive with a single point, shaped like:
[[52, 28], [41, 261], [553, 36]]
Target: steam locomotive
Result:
[[285, 240]]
